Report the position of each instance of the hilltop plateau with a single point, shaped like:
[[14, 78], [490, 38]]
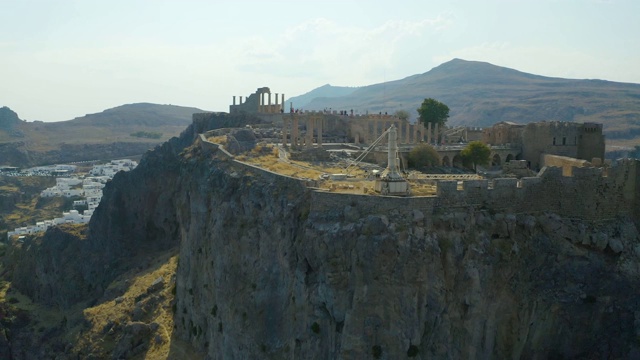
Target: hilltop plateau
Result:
[[269, 267], [481, 94], [122, 131]]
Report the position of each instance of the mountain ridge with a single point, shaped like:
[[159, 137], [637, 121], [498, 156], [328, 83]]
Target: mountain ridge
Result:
[[481, 94], [98, 136]]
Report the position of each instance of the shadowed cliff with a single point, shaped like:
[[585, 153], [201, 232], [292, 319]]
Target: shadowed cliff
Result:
[[269, 268]]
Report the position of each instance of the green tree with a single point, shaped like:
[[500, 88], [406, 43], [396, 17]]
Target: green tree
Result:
[[434, 112], [423, 155], [402, 114], [476, 153]]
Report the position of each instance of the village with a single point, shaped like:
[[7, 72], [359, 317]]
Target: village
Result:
[[87, 187]]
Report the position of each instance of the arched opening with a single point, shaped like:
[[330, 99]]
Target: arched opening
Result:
[[495, 160], [446, 161], [509, 158], [457, 161]]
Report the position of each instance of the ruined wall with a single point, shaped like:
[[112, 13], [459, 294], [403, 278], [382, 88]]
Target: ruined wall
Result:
[[591, 142], [251, 102], [503, 133], [566, 163], [581, 192], [576, 140]]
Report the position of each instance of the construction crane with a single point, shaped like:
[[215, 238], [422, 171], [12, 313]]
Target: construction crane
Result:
[[366, 152]]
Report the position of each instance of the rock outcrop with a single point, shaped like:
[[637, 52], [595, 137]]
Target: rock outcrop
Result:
[[265, 272]]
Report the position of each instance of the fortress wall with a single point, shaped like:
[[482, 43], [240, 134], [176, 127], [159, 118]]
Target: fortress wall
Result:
[[475, 191], [588, 194], [203, 122], [324, 202]]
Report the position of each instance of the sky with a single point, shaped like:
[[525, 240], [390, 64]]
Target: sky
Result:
[[61, 59]]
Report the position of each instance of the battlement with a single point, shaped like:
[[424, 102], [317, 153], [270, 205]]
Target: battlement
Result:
[[589, 193]]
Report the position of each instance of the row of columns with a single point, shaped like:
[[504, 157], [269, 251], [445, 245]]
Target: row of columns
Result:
[[413, 133], [407, 133], [264, 103], [266, 107], [313, 124]]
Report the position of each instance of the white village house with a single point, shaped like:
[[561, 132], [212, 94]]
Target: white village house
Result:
[[89, 187]]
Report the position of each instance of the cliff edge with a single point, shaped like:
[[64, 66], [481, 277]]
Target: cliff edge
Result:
[[270, 268]]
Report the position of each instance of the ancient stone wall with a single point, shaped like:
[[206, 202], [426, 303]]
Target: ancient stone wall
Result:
[[588, 194], [503, 133], [576, 140], [566, 163]]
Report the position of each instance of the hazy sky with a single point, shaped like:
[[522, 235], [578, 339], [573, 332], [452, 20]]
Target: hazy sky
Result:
[[61, 59]]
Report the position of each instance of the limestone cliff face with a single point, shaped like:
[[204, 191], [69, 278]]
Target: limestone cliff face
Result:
[[270, 268], [265, 273]]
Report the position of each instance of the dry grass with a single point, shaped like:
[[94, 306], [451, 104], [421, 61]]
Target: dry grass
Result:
[[88, 327], [133, 288], [220, 140], [357, 183]]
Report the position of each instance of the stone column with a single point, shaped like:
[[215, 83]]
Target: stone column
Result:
[[405, 127], [240, 100], [283, 109], [269, 108], [435, 134], [284, 131], [234, 99], [276, 108], [320, 120], [260, 100], [428, 133], [294, 131], [309, 139]]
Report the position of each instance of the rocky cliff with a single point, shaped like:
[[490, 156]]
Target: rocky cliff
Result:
[[264, 272], [263, 275]]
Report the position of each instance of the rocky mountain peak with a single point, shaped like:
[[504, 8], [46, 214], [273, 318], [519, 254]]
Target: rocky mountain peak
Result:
[[8, 118]]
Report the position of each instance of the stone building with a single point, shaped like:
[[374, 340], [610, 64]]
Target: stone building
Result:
[[259, 102], [583, 141], [576, 140], [503, 133]]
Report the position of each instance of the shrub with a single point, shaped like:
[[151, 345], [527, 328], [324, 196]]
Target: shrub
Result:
[[423, 155], [376, 351], [315, 327], [413, 351]]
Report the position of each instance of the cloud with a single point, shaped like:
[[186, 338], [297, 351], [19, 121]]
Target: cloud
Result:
[[325, 50]]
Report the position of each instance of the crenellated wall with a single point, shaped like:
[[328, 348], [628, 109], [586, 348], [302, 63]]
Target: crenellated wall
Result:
[[588, 194]]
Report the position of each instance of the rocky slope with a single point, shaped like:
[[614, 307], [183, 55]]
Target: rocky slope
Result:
[[264, 272], [102, 136]]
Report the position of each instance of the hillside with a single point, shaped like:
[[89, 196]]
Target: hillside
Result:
[[195, 255], [125, 130], [325, 91], [481, 94]]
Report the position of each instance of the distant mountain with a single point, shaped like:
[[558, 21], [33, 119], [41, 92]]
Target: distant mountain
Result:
[[125, 130], [481, 94], [143, 114], [325, 91], [8, 118]]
